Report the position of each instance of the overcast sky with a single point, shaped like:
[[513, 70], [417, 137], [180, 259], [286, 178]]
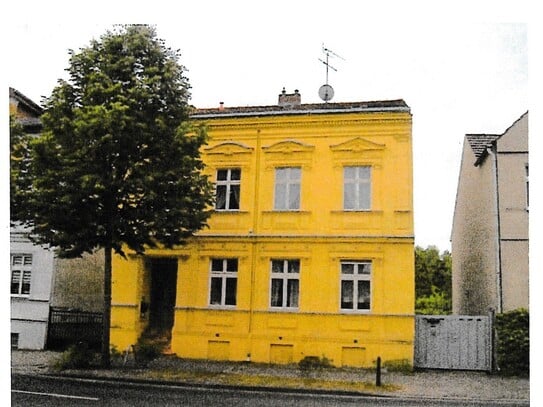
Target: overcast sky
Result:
[[461, 69]]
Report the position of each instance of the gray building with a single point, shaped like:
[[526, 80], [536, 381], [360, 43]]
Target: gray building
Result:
[[490, 226]]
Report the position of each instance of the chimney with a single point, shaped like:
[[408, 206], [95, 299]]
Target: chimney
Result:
[[290, 99], [221, 106]]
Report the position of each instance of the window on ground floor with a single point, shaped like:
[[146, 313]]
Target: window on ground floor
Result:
[[223, 284], [21, 273], [356, 285], [285, 283]]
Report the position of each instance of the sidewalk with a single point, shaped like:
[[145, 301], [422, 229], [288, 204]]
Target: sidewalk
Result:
[[431, 384]]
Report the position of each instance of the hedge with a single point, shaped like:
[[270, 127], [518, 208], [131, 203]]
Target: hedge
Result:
[[513, 342]]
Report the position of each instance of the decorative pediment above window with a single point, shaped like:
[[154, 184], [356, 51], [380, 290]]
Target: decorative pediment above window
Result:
[[289, 147], [229, 148], [357, 145], [288, 152]]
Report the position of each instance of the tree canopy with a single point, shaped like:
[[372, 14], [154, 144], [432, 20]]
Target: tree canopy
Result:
[[117, 163], [433, 281]]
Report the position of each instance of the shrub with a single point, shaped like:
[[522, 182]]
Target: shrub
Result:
[[398, 365], [513, 342], [314, 363], [77, 356], [146, 350]]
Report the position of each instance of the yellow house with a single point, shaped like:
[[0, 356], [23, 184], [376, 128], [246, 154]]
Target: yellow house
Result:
[[309, 251]]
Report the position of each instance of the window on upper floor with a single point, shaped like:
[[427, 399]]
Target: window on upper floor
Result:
[[357, 188], [285, 283], [287, 188], [21, 274], [228, 189], [355, 285], [224, 280]]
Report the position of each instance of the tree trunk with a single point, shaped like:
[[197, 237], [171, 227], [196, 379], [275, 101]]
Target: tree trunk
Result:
[[106, 322]]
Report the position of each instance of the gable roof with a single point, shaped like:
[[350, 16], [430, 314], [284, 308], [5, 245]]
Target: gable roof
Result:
[[479, 143]]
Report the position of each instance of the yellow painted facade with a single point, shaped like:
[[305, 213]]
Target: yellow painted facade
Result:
[[349, 317]]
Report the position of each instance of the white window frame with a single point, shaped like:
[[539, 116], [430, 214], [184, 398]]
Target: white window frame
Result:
[[24, 270], [228, 183], [284, 276], [358, 182], [292, 179], [223, 275], [355, 277]]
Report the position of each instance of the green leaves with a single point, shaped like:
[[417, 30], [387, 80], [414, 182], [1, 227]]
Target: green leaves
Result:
[[118, 163], [433, 281]]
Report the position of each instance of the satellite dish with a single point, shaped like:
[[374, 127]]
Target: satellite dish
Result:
[[326, 92]]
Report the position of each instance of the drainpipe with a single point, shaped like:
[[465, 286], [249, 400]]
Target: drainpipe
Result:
[[491, 151]]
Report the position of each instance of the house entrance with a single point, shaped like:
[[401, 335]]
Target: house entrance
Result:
[[163, 293]]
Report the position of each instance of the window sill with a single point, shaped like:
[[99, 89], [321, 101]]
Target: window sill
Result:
[[354, 311], [280, 309], [376, 211], [229, 211]]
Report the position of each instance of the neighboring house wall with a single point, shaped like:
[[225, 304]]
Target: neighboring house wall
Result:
[[490, 227], [512, 166], [79, 283], [271, 279], [29, 306]]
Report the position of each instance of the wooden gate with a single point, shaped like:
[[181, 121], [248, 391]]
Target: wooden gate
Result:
[[453, 342]]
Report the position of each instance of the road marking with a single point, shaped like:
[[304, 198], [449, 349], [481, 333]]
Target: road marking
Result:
[[65, 396]]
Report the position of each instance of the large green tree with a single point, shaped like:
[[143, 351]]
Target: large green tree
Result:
[[117, 165], [433, 281]]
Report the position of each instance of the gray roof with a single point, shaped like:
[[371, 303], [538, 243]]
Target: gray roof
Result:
[[309, 108], [479, 143]]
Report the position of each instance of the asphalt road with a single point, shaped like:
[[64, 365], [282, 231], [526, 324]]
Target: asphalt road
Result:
[[30, 391]]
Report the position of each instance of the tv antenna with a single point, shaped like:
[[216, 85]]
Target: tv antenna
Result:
[[326, 92]]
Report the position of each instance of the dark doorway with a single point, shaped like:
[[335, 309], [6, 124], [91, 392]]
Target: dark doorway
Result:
[[163, 293]]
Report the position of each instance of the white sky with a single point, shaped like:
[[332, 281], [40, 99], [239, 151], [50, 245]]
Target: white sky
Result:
[[462, 69]]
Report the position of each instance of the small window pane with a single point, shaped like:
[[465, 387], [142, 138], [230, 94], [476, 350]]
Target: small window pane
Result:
[[15, 281], [25, 288], [292, 293], [17, 260], [365, 196], [295, 174], [230, 291], [347, 268], [349, 196], [216, 291], [364, 269], [364, 172], [281, 174], [27, 260], [349, 172], [347, 294], [233, 202], [280, 196], [363, 294], [222, 175], [277, 266], [220, 199], [235, 174], [232, 265], [217, 265], [277, 293], [294, 266], [294, 197]]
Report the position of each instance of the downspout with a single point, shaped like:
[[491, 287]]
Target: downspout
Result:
[[492, 152], [254, 233]]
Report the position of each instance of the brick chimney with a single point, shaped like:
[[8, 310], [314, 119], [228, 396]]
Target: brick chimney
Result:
[[290, 99]]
